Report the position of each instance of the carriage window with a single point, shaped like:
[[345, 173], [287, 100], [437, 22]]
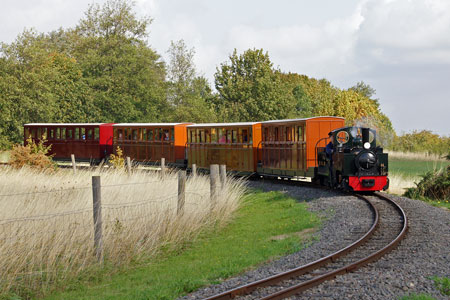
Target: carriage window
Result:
[[57, 133], [77, 133], [51, 133], [228, 136], [166, 135], [144, 135], [172, 134], [89, 134], [83, 133], [213, 135], [202, 136], [191, 136], [69, 133], [157, 134], [149, 134], [134, 134], [276, 136], [221, 136], [244, 135], [288, 134], [44, 133], [300, 134], [207, 136], [129, 134], [63, 133], [234, 136], [97, 133], [33, 133], [119, 134]]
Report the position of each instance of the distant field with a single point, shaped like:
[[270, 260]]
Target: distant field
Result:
[[414, 168]]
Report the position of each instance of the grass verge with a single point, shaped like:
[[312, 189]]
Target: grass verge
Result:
[[266, 226]]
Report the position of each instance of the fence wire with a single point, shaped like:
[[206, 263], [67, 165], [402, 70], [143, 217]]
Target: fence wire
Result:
[[126, 208]]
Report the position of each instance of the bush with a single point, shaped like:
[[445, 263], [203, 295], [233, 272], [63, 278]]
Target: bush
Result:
[[434, 185], [32, 155], [117, 160]]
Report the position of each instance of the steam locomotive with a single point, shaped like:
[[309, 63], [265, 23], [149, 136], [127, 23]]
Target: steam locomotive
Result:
[[352, 161]]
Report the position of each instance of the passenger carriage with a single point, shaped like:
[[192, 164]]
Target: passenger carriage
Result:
[[149, 142], [87, 141], [288, 147], [232, 144]]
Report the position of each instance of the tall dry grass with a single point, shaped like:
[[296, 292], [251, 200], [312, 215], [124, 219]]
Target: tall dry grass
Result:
[[46, 221], [399, 183], [415, 156]]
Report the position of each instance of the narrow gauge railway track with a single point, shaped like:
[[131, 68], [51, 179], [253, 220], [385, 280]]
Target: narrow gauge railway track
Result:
[[388, 229]]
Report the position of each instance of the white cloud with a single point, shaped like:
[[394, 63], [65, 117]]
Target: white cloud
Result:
[[406, 31]]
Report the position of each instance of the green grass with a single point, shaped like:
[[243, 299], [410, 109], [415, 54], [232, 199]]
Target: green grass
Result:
[[266, 227], [414, 168], [417, 297]]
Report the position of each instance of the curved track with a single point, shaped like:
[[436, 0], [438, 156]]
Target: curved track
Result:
[[388, 228]]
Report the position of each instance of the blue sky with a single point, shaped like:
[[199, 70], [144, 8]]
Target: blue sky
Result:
[[400, 47]]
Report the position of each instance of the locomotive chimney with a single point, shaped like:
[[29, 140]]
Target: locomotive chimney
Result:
[[365, 135]]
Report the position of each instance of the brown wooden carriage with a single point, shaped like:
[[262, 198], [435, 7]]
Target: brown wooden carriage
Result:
[[232, 144], [288, 146], [87, 141], [149, 142]]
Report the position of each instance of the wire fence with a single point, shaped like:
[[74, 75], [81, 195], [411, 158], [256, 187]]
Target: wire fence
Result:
[[48, 230], [63, 219]]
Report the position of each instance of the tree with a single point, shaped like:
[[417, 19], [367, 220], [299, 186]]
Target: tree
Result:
[[366, 91], [188, 93], [100, 71], [249, 88], [127, 78]]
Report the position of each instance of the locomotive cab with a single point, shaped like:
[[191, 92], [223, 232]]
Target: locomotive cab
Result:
[[352, 160]]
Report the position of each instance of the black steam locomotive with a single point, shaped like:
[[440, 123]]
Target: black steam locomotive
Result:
[[352, 161]]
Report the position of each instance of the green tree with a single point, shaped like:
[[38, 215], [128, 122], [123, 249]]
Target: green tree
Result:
[[188, 94], [38, 85], [250, 89], [126, 77]]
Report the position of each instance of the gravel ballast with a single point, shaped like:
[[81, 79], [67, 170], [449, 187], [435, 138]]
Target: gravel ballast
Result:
[[425, 251]]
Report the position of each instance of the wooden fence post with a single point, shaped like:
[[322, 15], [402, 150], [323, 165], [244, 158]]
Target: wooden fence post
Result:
[[213, 178], [74, 165], [223, 175], [194, 170], [163, 167], [97, 202], [129, 165], [181, 191]]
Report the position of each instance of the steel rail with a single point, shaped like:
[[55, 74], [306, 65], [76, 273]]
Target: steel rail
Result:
[[248, 288], [350, 267]]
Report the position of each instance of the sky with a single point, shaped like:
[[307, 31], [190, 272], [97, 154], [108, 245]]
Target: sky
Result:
[[401, 48]]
